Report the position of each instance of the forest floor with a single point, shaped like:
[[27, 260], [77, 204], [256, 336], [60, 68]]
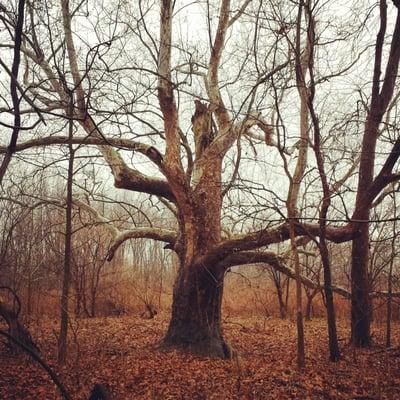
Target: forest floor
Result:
[[123, 353]]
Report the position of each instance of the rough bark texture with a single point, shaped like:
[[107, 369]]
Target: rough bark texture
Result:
[[195, 324], [360, 301]]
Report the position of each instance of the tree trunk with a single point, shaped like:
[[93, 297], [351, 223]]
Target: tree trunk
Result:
[[62, 339], [195, 324], [282, 305], [389, 305], [309, 307], [382, 94], [390, 277], [360, 302], [334, 352], [30, 299]]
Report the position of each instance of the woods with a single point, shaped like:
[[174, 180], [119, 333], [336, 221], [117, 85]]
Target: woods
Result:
[[155, 156]]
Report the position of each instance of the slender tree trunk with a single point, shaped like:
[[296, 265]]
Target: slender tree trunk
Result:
[[14, 90], [326, 201], [78, 300], [279, 284], [390, 282], [389, 306], [299, 302], [30, 299], [62, 339], [309, 307], [282, 305], [301, 67], [93, 293], [287, 295], [334, 352]]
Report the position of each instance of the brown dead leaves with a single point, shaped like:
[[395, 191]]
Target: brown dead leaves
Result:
[[123, 353]]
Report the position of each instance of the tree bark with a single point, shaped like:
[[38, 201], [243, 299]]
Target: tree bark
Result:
[[14, 91], [382, 93], [360, 301], [195, 323], [309, 304], [62, 339], [334, 352], [282, 304], [389, 308]]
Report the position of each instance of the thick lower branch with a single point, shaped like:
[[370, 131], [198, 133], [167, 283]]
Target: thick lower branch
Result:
[[163, 235], [276, 262], [125, 178], [265, 237], [120, 236]]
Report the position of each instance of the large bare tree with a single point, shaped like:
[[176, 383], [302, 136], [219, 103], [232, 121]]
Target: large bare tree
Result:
[[188, 111]]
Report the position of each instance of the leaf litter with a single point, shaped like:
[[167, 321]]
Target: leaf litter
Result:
[[123, 353]]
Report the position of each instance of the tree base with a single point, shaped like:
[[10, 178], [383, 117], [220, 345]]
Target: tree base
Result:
[[195, 325], [361, 330], [363, 342], [207, 348]]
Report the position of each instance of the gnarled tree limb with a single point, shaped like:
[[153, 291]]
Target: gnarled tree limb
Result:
[[264, 237], [120, 236]]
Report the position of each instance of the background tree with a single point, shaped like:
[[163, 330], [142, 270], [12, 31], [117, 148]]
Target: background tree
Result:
[[368, 185]]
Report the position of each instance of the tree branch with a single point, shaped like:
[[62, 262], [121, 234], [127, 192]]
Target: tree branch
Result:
[[213, 67], [265, 237], [276, 262], [120, 236], [125, 177], [14, 91], [166, 93]]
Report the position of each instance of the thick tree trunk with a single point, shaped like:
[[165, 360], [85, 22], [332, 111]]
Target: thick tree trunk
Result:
[[195, 324], [360, 302]]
